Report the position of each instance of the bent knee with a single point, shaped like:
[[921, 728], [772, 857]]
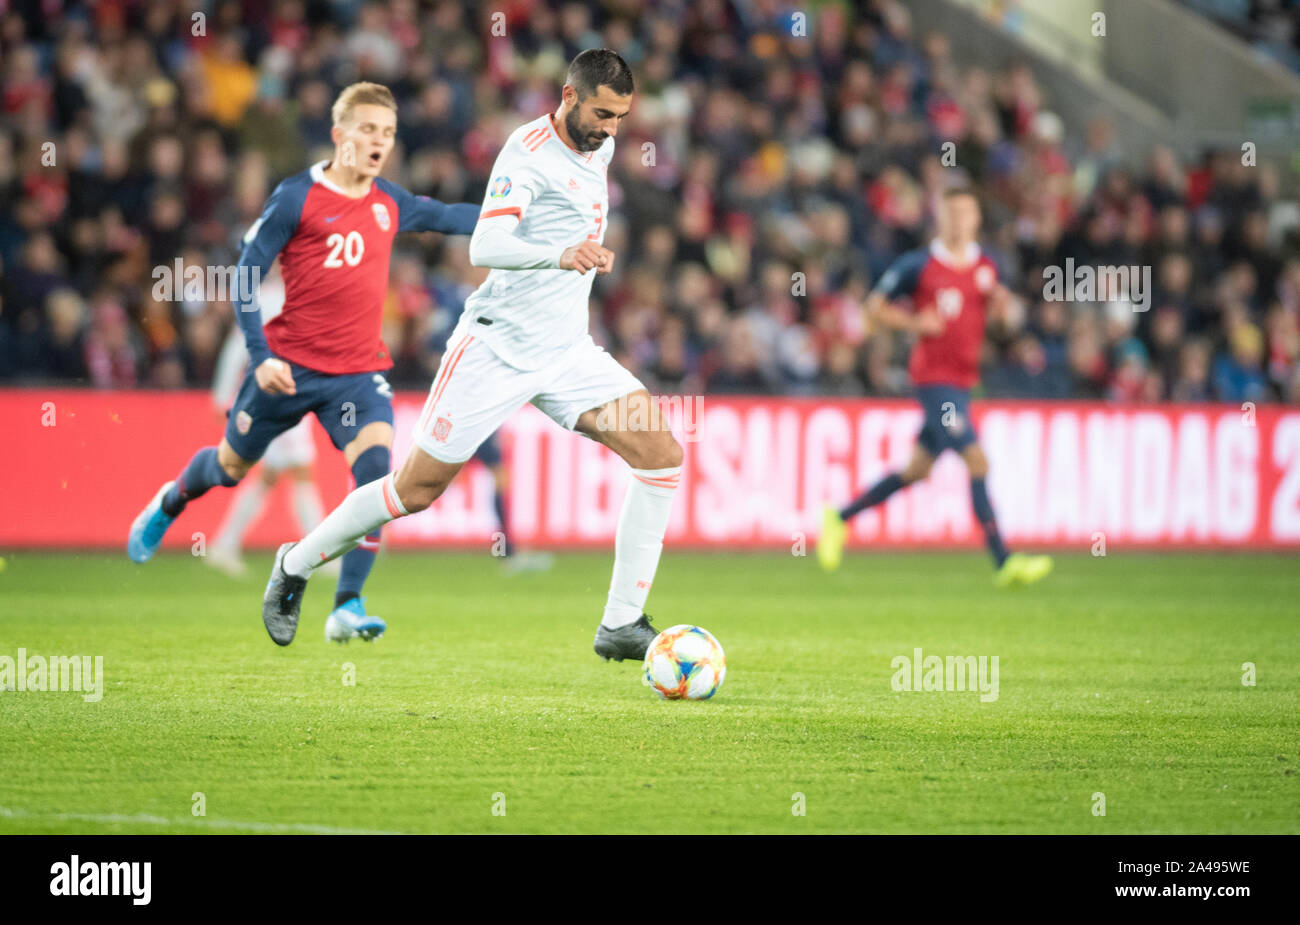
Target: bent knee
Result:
[[916, 472], [673, 456], [667, 457], [416, 496], [663, 455], [236, 467], [978, 465]]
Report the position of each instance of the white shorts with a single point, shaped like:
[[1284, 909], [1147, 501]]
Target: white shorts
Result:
[[295, 447], [475, 392]]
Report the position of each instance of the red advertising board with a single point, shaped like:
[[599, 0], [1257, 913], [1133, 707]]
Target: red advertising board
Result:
[[79, 465]]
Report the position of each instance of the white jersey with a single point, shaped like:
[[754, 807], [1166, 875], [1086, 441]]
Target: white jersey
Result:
[[557, 198]]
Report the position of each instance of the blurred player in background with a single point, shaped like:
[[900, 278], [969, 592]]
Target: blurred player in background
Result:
[[332, 227], [523, 338], [953, 288], [291, 454]]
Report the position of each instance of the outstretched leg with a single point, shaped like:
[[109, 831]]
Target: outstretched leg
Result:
[[830, 544], [369, 458], [656, 461], [412, 488], [224, 551], [209, 467]]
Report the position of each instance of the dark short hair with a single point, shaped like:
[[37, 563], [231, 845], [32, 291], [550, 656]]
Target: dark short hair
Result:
[[599, 67], [953, 192]]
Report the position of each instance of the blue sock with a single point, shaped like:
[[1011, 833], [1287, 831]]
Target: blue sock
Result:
[[979, 497], [499, 505], [873, 496], [371, 465], [202, 473]]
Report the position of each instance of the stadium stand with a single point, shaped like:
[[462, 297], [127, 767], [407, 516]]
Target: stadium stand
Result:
[[765, 182]]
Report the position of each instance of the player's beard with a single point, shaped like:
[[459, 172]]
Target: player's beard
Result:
[[580, 134]]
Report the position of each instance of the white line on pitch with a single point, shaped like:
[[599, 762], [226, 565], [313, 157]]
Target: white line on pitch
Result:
[[306, 828]]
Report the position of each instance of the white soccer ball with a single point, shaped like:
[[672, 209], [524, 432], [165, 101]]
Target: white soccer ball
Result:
[[685, 662]]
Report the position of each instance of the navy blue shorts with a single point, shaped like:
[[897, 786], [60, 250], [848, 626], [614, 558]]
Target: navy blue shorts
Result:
[[343, 404], [489, 451], [948, 424]]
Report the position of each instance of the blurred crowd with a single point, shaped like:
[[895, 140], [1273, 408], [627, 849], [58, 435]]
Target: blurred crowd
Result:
[[771, 170], [1271, 27]]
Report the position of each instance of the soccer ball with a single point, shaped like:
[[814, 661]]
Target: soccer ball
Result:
[[685, 663]]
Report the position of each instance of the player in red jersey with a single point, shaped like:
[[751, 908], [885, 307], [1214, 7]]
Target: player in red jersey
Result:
[[332, 227], [953, 289]]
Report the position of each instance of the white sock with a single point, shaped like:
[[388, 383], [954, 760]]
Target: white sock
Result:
[[368, 507], [247, 504], [306, 506], [638, 543]]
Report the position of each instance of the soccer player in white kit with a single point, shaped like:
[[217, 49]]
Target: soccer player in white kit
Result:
[[523, 338]]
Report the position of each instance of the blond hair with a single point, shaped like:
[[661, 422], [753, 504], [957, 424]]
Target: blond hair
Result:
[[360, 94]]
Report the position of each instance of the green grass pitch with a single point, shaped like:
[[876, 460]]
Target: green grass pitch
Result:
[[1119, 675]]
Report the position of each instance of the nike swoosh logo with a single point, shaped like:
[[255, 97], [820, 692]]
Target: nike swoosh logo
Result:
[[332, 217]]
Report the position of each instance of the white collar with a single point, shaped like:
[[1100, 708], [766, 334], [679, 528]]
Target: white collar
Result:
[[948, 259], [318, 176]]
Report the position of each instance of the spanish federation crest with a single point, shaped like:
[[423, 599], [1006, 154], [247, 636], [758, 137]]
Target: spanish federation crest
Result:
[[381, 216]]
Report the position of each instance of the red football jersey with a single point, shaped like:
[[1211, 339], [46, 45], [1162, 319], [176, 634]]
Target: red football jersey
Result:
[[334, 253], [959, 295]]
